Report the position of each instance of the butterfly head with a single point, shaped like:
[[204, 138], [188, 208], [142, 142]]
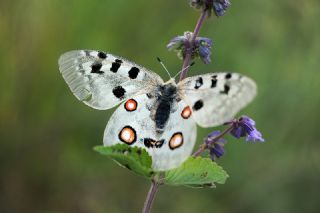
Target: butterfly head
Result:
[[168, 90]]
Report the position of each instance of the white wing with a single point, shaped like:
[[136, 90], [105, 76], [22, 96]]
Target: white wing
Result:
[[102, 80], [136, 128], [216, 97]]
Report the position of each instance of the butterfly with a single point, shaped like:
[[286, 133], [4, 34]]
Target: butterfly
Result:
[[158, 116]]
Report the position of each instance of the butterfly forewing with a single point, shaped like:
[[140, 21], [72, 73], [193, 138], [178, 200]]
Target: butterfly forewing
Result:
[[215, 98], [103, 80]]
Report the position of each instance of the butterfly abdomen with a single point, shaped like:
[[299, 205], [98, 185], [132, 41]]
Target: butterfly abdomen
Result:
[[162, 114]]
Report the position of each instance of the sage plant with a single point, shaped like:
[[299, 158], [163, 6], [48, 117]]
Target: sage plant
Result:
[[200, 169]]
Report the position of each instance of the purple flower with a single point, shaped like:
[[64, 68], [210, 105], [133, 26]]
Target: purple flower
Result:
[[219, 7], [177, 43], [215, 145], [245, 127], [204, 49], [216, 151], [200, 48]]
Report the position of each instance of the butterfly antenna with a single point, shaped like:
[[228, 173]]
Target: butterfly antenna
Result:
[[184, 69], [164, 67]]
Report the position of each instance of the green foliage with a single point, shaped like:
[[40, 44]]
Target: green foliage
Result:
[[196, 172], [133, 158]]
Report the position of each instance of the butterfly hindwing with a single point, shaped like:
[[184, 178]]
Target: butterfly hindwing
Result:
[[132, 124], [216, 97], [102, 80]]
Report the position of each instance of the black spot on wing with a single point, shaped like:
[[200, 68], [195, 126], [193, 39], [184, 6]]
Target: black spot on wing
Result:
[[119, 92], [150, 143], [199, 83], [228, 76], [102, 55], [214, 81], [133, 72], [95, 68], [159, 143], [197, 105], [226, 89], [116, 65]]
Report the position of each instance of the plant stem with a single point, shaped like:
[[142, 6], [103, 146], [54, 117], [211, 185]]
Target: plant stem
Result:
[[151, 196], [189, 46], [203, 146], [186, 62]]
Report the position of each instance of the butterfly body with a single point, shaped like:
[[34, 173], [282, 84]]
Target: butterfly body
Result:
[[158, 116], [166, 98]]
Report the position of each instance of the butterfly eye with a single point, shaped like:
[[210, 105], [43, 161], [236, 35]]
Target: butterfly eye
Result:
[[128, 135], [176, 140], [186, 112], [131, 105]]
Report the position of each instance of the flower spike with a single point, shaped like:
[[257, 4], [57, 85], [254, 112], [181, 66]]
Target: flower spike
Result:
[[246, 127], [200, 48], [219, 7]]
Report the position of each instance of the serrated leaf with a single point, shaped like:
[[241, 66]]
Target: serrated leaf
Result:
[[196, 172], [133, 158]]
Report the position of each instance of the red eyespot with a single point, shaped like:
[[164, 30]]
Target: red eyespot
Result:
[[131, 105], [176, 140], [128, 135], [186, 112]]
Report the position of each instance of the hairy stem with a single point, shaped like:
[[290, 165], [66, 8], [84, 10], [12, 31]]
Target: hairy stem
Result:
[[186, 62], [151, 196], [189, 46], [157, 181], [203, 146]]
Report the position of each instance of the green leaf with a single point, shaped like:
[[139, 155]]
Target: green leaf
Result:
[[133, 158], [196, 172]]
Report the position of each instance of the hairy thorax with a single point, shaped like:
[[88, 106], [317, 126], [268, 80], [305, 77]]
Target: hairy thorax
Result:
[[165, 97]]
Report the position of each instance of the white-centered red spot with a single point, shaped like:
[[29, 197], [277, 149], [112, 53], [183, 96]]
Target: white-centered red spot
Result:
[[176, 140], [128, 135], [131, 105], [186, 112]]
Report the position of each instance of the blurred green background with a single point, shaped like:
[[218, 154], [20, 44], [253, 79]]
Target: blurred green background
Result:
[[46, 158]]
